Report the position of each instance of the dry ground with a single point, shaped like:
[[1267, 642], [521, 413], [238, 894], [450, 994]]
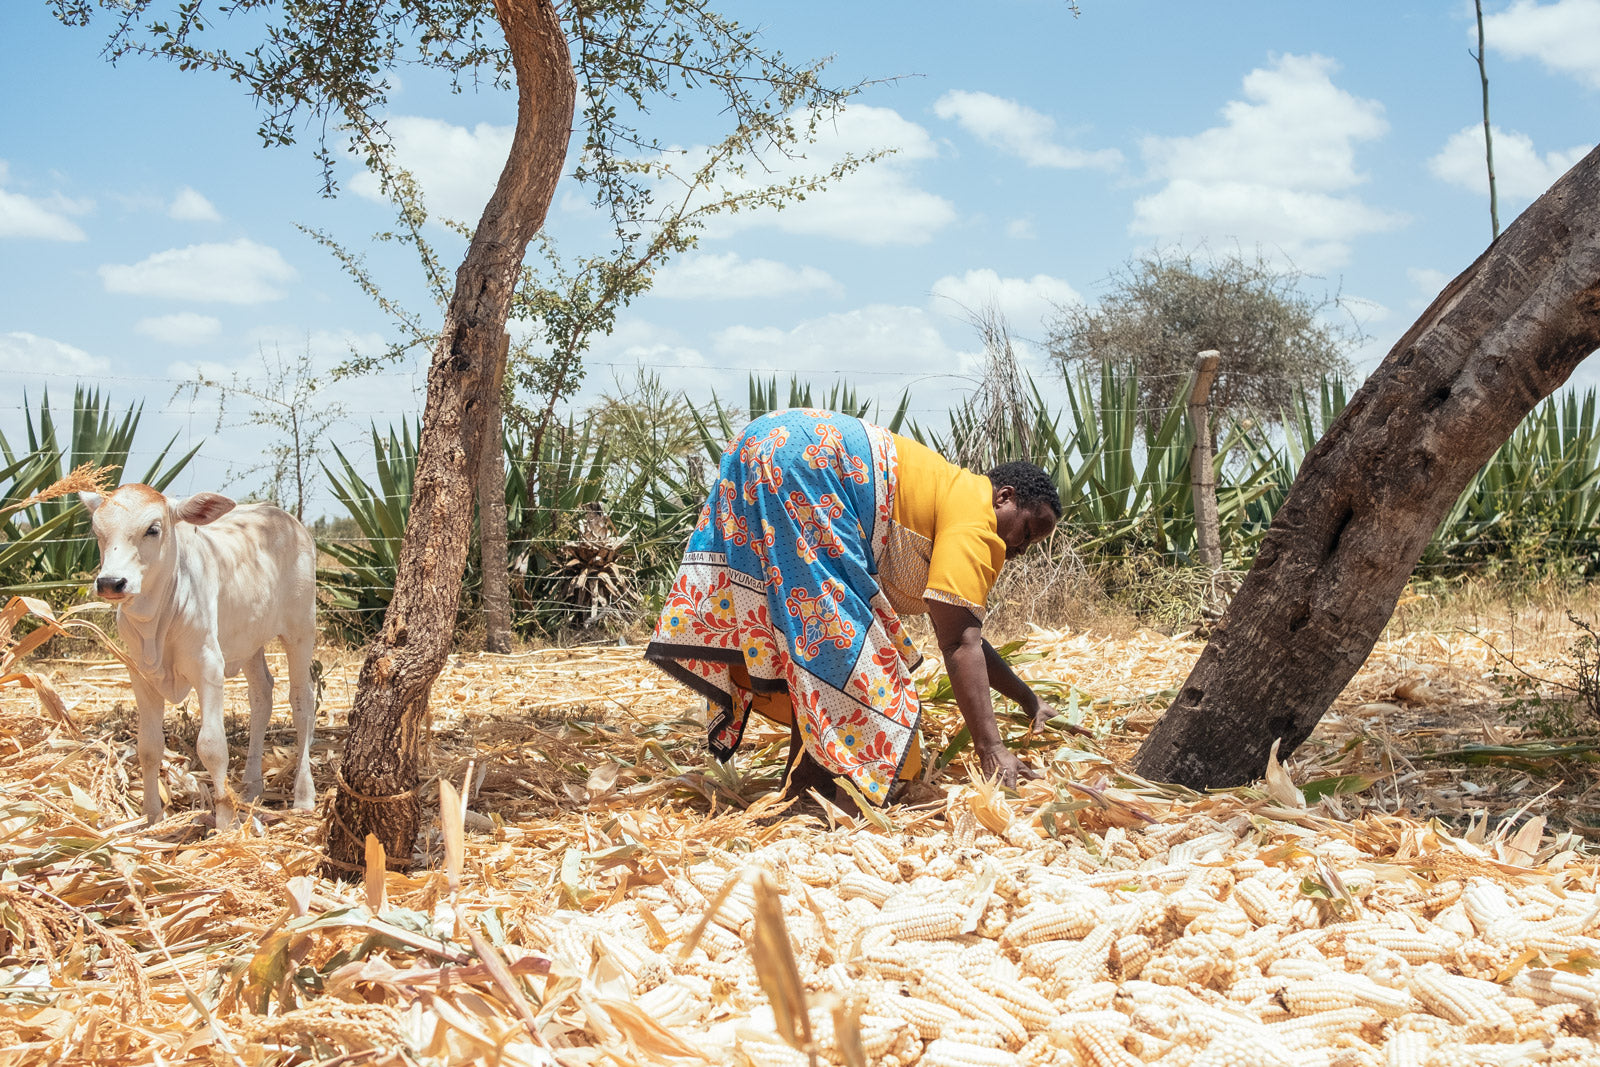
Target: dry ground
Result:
[[599, 838]]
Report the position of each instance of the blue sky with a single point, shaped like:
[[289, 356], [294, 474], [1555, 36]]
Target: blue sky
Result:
[[146, 235]]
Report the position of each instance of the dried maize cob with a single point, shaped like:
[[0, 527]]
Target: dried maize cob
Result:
[[1025, 1004], [1049, 922], [1548, 986], [671, 1002], [866, 886], [1407, 1048], [1464, 1001], [1339, 990], [1299, 968], [1485, 902], [1092, 996], [870, 859], [927, 922], [927, 1017], [1259, 901], [1085, 961], [958, 993], [1244, 1048], [1305, 1030], [772, 1054], [947, 1053], [1227, 920], [819, 872], [975, 1032], [1100, 1048], [1409, 945], [1305, 913], [1127, 956], [1197, 848]]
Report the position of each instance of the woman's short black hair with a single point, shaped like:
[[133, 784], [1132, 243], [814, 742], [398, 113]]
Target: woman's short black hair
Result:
[[1032, 484]]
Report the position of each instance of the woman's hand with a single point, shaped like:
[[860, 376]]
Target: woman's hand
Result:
[[1040, 712], [999, 761]]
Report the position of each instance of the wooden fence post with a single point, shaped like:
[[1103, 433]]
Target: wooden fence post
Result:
[[1202, 476]]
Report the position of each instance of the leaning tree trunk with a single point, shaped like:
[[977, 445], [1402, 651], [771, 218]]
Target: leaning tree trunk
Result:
[[378, 774], [1499, 339]]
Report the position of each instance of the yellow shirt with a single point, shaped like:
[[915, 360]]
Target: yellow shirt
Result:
[[943, 544]]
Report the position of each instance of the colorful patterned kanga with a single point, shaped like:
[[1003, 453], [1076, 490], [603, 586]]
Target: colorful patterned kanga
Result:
[[799, 606]]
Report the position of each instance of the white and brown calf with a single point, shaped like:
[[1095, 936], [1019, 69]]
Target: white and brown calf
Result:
[[201, 587]]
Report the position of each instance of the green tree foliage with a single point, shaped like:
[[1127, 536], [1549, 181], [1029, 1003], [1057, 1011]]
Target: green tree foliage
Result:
[[1276, 340], [325, 68]]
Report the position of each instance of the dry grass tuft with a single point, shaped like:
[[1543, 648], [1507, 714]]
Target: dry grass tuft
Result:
[[85, 478]]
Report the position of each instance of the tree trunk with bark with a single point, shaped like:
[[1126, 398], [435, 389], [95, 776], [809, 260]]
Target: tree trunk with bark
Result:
[[492, 522], [378, 773], [1497, 341]]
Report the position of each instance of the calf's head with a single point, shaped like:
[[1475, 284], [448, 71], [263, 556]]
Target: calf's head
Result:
[[135, 525]]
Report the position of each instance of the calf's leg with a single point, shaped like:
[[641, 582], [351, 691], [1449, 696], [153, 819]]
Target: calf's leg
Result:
[[151, 745], [212, 744], [259, 678], [303, 702]]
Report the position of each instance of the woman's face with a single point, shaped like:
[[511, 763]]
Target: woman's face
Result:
[[1020, 527]]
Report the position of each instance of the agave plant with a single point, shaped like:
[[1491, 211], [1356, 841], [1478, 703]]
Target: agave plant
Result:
[[360, 588], [49, 548], [1536, 503], [841, 397], [545, 496]]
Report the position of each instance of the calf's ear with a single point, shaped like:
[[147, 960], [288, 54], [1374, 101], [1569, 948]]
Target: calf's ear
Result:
[[91, 501], [200, 508]]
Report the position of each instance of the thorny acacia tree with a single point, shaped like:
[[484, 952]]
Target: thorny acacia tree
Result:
[[283, 399], [324, 66], [1162, 309]]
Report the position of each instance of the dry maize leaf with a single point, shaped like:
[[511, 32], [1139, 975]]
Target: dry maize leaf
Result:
[[712, 907], [602, 780], [503, 980], [452, 827], [1280, 787], [988, 806], [48, 697], [776, 970], [1414, 690], [648, 1036], [847, 1030], [1524, 844], [376, 863]]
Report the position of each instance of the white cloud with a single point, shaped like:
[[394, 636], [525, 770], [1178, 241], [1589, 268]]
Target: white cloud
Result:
[[1277, 172], [1025, 302], [1519, 171], [19, 349], [240, 272], [1564, 36], [895, 342], [1019, 130], [880, 203], [42, 218], [728, 276], [1021, 229], [184, 328], [636, 345], [190, 206], [457, 168]]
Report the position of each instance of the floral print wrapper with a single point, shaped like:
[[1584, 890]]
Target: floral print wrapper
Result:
[[781, 577]]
